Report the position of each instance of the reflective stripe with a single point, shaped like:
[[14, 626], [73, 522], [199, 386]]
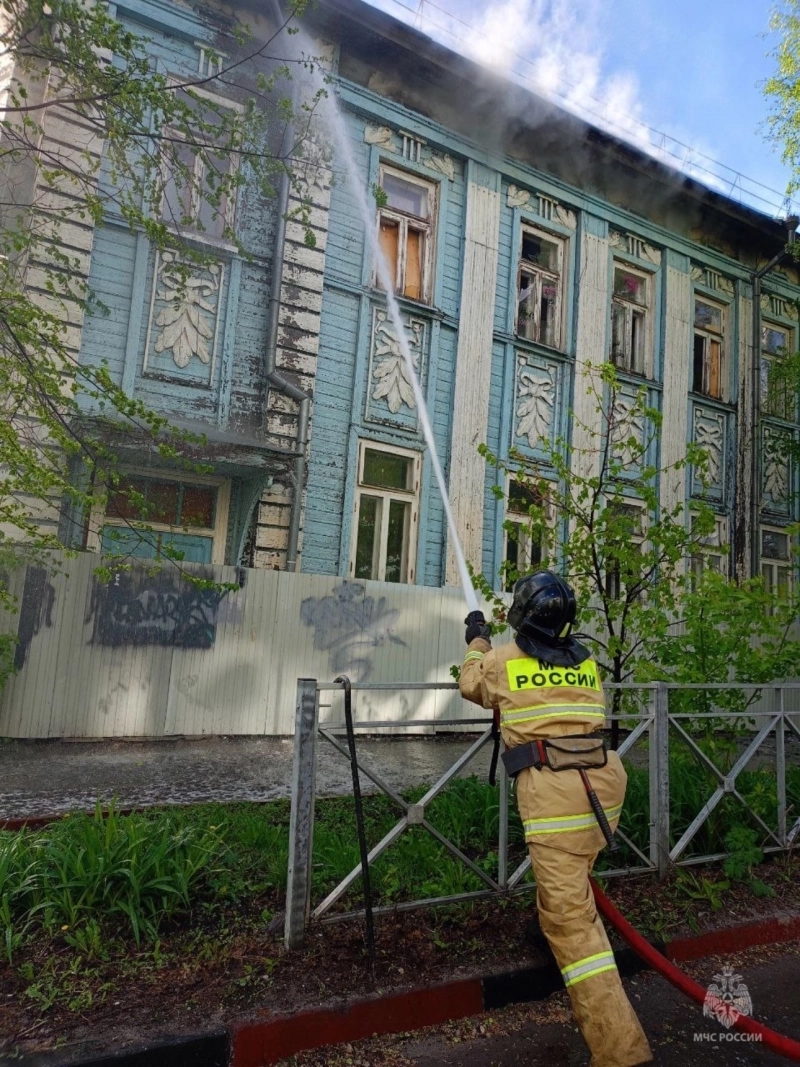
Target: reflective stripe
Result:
[[587, 967], [562, 824], [474, 655], [553, 711]]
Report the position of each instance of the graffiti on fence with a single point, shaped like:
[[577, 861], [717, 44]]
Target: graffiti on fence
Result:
[[36, 611], [350, 625], [144, 607]]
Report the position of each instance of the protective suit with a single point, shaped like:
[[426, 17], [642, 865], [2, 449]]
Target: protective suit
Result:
[[546, 686]]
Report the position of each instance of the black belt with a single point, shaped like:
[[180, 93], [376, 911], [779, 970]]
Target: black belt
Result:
[[556, 753]]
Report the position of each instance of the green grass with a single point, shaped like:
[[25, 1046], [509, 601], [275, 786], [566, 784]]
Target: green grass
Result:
[[90, 876]]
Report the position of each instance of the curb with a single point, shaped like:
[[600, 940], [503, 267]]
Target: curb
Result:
[[269, 1039]]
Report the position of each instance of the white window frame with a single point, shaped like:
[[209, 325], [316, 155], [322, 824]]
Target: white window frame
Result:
[[773, 564], [709, 336], [532, 276], [228, 216], [386, 496], [639, 539], [713, 550], [427, 227], [628, 358], [218, 534], [770, 359], [524, 542]]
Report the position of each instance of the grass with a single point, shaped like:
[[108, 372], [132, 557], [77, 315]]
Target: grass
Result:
[[86, 878]]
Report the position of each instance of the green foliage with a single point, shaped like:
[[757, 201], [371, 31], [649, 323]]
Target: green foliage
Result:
[[783, 88], [124, 158]]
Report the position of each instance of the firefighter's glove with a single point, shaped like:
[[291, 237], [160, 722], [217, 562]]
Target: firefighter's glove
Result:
[[476, 627]]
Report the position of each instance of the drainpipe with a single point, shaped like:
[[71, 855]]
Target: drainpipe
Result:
[[792, 223], [276, 381]]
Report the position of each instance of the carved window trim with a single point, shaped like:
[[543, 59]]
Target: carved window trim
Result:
[[534, 281], [406, 223], [217, 534], [228, 215], [383, 497]]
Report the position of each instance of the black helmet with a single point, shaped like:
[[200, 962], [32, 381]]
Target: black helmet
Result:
[[545, 605]]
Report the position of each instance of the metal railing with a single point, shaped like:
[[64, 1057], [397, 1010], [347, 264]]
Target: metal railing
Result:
[[647, 717]]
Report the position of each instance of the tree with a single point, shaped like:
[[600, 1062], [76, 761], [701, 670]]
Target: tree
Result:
[[90, 126], [650, 605]]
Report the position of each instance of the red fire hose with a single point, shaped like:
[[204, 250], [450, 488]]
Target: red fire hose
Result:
[[784, 1046]]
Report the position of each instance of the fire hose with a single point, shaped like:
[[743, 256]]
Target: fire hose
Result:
[[784, 1046]]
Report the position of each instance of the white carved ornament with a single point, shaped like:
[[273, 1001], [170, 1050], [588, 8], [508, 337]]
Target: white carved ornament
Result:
[[709, 433], [518, 197], [776, 468], [389, 366], [625, 426], [536, 398], [442, 163], [186, 322], [381, 136]]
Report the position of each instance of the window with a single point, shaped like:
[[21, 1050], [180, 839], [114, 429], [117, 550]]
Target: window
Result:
[[776, 397], [710, 552], [145, 516], [709, 348], [405, 225], [386, 508], [625, 528], [776, 565], [526, 535], [539, 290], [194, 197], [629, 320]]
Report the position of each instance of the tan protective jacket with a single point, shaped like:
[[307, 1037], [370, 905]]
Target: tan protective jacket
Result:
[[536, 700]]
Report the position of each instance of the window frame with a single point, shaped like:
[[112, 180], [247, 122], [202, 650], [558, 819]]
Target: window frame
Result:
[[518, 519], [709, 336], [539, 274], [228, 216], [767, 359], [615, 576], [716, 544], [774, 562], [386, 496], [425, 226], [218, 534], [631, 308]]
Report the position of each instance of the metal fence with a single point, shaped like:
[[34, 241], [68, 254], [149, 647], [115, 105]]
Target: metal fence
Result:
[[768, 718]]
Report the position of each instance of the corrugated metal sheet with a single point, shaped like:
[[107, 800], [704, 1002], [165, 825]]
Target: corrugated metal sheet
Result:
[[149, 654]]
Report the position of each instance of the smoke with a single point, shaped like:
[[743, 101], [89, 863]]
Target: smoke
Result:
[[557, 49]]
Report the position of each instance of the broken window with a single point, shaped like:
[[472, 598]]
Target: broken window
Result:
[[776, 561], [385, 511], [709, 349], [198, 193], [539, 289], [778, 397], [405, 225], [629, 321]]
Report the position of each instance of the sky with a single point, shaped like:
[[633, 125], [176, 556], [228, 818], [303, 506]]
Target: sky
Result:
[[692, 70]]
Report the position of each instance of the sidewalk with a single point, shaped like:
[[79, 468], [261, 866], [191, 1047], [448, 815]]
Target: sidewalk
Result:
[[41, 778]]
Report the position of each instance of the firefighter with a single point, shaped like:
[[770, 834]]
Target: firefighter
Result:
[[547, 691]]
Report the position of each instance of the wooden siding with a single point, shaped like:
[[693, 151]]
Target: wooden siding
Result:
[[591, 346], [91, 668], [473, 367], [677, 374]]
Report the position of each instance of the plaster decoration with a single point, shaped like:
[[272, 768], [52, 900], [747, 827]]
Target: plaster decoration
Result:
[[518, 197], [634, 246], [790, 310], [725, 285], [185, 309], [617, 239], [389, 366], [652, 255], [443, 164], [698, 274], [776, 467], [381, 136], [536, 401], [626, 426], [709, 433]]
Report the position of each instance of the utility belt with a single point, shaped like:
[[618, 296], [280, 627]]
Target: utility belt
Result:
[[558, 753]]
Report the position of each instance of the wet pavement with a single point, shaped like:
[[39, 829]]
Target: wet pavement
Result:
[[40, 778]]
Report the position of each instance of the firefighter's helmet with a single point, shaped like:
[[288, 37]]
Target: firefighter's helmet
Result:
[[545, 605]]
